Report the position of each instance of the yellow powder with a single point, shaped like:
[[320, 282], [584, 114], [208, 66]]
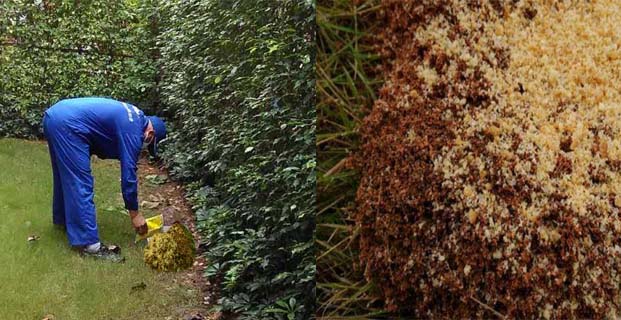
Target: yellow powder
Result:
[[568, 62]]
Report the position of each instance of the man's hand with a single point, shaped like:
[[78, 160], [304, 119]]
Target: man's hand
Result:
[[139, 223]]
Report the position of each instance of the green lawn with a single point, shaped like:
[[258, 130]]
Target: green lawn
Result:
[[47, 277]]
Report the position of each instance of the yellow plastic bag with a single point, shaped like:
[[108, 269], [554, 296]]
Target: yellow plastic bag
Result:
[[154, 225]]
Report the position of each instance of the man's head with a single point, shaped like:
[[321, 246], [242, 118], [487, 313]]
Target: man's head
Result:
[[154, 133]]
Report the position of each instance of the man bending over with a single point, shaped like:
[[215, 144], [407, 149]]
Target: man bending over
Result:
[[78, 128]]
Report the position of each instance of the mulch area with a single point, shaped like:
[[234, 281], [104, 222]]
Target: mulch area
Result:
[[175, 208]]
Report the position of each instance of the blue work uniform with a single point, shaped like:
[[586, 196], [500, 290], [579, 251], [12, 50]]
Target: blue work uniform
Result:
[[75, 129]]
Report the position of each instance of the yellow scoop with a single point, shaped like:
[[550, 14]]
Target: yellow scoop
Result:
[[155, 224]]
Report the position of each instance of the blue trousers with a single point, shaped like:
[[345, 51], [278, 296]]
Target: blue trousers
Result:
[[73, 205]]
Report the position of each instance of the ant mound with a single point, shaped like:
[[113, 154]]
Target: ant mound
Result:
[[491, 162], [170, 251]]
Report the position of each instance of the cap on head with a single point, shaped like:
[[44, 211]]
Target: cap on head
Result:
[[160, 134]]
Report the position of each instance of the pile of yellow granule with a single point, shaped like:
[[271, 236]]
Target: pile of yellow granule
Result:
[[170, 251]]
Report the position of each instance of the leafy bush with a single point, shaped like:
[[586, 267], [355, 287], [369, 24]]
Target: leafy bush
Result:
[[55, 49], [239, 83]]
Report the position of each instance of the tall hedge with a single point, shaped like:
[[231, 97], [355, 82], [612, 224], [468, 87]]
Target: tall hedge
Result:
[[238, 78], [53, 49]]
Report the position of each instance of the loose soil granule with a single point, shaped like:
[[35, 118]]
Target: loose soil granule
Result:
[[491, 162], [170, 251]]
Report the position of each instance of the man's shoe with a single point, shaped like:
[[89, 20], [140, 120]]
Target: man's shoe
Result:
[[109, 253]]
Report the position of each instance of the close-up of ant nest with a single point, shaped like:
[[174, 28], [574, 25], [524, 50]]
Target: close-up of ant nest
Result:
[[491, 162]]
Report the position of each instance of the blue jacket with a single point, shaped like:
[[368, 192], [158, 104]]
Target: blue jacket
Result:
[[113, 129]]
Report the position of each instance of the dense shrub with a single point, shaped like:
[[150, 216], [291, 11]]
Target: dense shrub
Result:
[[239, 84], [53, 49]]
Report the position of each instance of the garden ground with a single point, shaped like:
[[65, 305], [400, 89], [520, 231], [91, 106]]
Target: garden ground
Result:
[[46, 278]]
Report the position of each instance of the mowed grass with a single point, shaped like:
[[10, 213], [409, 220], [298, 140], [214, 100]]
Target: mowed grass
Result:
[[47, 276]]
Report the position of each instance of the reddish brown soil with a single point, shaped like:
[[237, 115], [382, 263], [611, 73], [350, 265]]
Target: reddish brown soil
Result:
[[459, 216]]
